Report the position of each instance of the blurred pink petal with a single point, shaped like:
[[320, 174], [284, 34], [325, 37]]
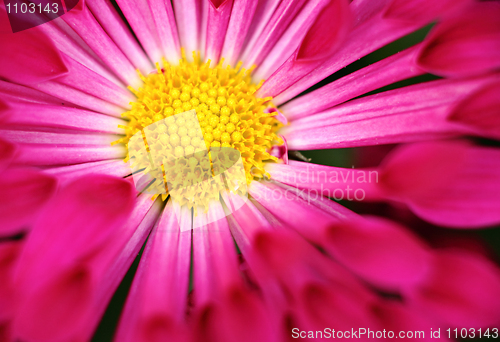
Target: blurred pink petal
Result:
[[156, 305], [461, 290], [447, 183], [383, 253], [480, 111], [24, 192], [465, 45]]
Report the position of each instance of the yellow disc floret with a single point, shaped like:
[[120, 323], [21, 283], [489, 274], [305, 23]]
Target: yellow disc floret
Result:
[[227, 110]]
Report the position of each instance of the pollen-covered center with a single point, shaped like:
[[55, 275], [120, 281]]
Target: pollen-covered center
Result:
[[190, 108]]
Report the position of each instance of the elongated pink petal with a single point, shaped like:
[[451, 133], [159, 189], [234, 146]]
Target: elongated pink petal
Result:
[[89, 29], [246, 221], [277, 25], [219, 292], [115, 27], [68, 42], [314, 310], [379, 251], [139, 17], [163, 16], [396, 317], [86, 139], [333, 182], [81, 78], [461, 290], [262, 15], [219, 13], [49, 312], [12, 92], [7, 153], [466, 45], [24, 193], [215, 260], [299, 35], [453, 184], [423, 11], [135, 233], [9, 252], [32, 58], [65, 174], [37, 154], [187, 16], [68, 275], [81, 98], [411, 113], [156, 305], [480, 111], [389, 70], [291, 210], [35, 115], [237, 29], [368, 36], [80, 203]]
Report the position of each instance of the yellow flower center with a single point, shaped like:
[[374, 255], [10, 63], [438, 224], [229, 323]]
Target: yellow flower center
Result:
[[226, 113]]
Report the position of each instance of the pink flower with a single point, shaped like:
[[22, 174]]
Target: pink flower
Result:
[[74, 216]]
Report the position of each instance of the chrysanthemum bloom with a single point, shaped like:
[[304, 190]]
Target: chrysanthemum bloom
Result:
[[72, 101]]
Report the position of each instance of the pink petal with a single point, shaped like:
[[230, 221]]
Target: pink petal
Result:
[[319, 23], [293, 211], [7, 153], [163, 16], [480, 111], [396, 317], [35, 115], [135, 233], [219, 12], [187, 16], [115, 27], [214, 258], [65, 174], [423, 11], [24, 193], [333, 182], [452, 184], [246, 221], [101, 204], [315, 304], [89, 82], [261, 17], [411, 113], [370, 34], [387, 71], [465, 45], [461, 290], [239, 316], [32, 58], [38, 154], [12, 92], [238, 27], [55, 307], [141, 20], [89, 29], [156, 305], [9, 251], [379, 251], [277, 25], [81, 98], [61, 139], [69, 43]]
